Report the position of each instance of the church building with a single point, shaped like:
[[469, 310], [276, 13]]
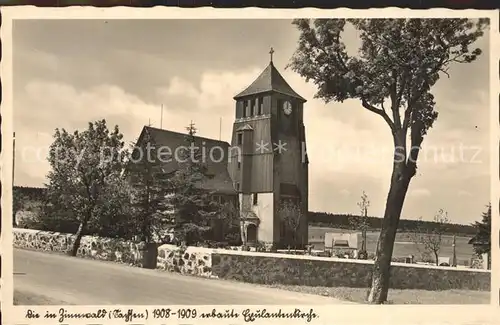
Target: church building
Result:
[[266, 163]]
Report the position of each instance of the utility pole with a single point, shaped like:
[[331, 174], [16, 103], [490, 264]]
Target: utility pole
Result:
[[161, 118], [191, 129], [14, 222], [220, 129], [13, 156]]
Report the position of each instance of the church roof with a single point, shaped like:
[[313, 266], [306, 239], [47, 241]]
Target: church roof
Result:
[[270, 80], [218, 180]]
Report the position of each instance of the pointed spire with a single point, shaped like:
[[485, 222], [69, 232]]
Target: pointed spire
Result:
[[270, 80]]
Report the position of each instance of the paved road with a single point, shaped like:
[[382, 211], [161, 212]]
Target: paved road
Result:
[[88, 282]]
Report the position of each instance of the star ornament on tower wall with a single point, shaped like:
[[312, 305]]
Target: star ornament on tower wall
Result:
[[262, 147], [280, 146]]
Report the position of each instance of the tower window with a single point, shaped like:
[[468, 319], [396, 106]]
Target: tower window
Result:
[[255, 198], [249, 108], [239, 164], [244, 108], [261, 106], [255, 107], [240, 139], [237, 186]]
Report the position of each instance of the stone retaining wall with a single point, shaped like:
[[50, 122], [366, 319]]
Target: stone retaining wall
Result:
[[257, 267], [264, 268], [99, 248], [190, 260]]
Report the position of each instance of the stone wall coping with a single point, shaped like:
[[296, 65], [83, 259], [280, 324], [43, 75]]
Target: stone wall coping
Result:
[[34, 231], [342, 260], [189, 249], [55, 233]]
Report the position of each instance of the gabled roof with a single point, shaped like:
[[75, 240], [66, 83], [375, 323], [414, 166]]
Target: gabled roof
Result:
[[219, 179], [270, 80]]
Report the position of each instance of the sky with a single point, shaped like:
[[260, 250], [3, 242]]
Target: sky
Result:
[[70, 72]]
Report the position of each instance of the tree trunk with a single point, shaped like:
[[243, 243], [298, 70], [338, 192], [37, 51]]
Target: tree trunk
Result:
[[363, 240], [436, 256], [78, 239], [400, 181]]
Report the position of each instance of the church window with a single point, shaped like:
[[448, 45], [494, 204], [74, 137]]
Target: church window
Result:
[[255, 198], [240, 139], [239, 164], [237, 186]]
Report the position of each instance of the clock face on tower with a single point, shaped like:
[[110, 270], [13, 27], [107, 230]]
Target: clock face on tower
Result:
[[287, 107]]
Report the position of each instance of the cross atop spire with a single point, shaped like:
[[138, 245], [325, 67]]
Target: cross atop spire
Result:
[[271, 52]]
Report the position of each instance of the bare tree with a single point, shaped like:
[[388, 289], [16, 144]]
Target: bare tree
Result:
[[290, 214], [431, 240], [361, 222]]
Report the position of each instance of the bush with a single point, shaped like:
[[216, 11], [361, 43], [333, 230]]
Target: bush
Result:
[[233, 237], [260, 247], [362, 255], [398, 259]]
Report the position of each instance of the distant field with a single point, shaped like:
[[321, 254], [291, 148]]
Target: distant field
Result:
[[403, 246]]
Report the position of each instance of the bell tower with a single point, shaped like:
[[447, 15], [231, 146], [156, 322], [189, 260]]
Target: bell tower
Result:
[[268, 160]]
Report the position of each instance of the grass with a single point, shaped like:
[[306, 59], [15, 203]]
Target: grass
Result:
[[397, 297]]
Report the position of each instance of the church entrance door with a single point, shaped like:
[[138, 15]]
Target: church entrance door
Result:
[[251, 233]]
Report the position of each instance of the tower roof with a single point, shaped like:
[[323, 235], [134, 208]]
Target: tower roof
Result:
[[270, 80]]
